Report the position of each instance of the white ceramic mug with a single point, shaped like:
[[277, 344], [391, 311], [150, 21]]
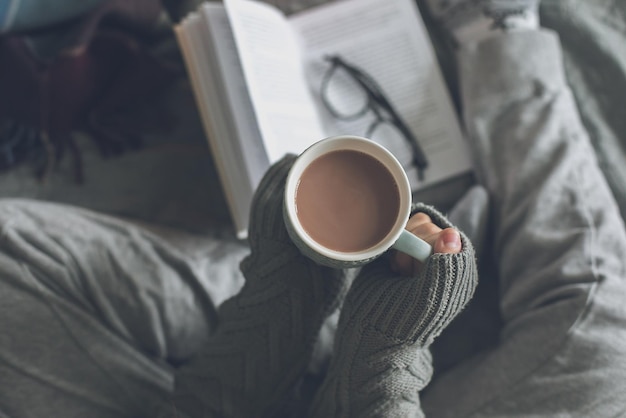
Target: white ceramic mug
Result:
[[397, 237]]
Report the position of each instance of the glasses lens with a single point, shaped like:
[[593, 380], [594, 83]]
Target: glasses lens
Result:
[[389, 136], [344, 96]]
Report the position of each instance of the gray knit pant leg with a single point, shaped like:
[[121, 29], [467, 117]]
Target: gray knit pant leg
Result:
[[94, 313], [559, 245]]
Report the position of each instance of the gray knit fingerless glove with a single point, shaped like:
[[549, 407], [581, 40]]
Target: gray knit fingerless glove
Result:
[[381, 359], [266, 334]]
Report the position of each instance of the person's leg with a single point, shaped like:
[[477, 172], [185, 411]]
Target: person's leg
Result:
[[559, 245], [94, 311]]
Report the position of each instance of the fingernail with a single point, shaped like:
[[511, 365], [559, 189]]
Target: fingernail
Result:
[[452, 240]]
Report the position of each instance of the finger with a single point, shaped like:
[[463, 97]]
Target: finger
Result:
[[427, 231], [417, 219], [401, 263], [448, 242], [422, 227]]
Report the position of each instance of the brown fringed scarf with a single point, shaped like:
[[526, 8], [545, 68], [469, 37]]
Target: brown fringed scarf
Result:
[[101, 68]]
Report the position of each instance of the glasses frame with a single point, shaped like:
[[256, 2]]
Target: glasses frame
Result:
[[377, 102]]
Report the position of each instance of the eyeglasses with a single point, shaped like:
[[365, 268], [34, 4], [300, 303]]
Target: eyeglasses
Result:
[[349, 93]]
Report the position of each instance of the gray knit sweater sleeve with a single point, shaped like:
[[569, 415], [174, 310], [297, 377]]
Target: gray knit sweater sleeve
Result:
[[266, 333], [381, 359]]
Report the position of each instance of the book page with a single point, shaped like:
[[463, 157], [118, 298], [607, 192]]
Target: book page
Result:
[[224, 106], [388, 40], [268, 50], [234, 90]]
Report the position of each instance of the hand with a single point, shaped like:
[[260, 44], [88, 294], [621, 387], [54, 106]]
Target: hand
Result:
[[443, 241], [415, 304]]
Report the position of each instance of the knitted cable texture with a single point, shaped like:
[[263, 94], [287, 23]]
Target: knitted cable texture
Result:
[[381, 359], [267, 332]]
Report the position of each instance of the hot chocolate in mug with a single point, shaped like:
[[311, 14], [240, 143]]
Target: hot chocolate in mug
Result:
[[347, 201]]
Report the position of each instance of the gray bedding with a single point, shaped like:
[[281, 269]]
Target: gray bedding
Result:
[[593, 34]]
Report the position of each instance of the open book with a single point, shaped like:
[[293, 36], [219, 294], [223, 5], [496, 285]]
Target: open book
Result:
[[257, 76]]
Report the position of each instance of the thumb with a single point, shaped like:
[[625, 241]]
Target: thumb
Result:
[[448, 242]]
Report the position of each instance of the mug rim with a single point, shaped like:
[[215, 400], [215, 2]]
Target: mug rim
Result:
[[356, 143]]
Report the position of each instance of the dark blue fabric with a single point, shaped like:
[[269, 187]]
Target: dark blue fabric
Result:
[[5, 6], [33, 14]]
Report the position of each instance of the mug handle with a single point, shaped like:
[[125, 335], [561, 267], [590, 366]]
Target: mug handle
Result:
[[416, 247]]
